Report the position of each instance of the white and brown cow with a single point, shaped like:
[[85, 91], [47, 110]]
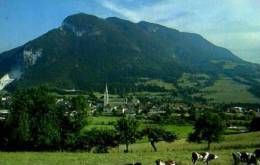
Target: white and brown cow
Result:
[[203, 156], [168, 162]]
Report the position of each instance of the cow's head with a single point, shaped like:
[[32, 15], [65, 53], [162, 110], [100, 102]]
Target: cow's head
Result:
[[158, 162], [212, 156]]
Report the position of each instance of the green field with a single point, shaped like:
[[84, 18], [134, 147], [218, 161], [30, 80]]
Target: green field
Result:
[[226, 90], [180, 130], [179, 151], [104, 122], [156, 82], [192, 80], [107, 122]]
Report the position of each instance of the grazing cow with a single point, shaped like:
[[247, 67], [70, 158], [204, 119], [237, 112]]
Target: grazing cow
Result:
[[204, 156], [244, 157], [168, 162]]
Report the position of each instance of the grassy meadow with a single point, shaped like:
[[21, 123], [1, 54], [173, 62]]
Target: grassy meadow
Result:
[[107, 122], [179, 151], [157, 82], [226, 90]]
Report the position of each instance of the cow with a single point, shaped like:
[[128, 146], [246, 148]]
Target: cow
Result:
[[203, 156], [244, 157], [168, 162]]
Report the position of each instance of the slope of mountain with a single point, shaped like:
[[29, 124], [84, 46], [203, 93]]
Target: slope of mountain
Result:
[[86, 52]]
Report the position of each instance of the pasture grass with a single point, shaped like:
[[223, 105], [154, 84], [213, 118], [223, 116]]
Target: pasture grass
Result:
[[179, 151], [182, 131], [226, 90], [101, 122], [108, 122], [192, 80], [157, 82]]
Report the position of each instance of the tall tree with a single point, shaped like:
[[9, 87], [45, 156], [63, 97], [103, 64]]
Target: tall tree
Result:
[[34, 119], [127, 128], [74, 120], [100, 139], [155, 134], [209, 127]]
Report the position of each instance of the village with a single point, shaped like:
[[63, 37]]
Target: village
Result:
[[159, 109]]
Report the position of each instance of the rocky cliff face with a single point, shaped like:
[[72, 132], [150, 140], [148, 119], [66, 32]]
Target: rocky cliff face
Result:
[[30, 57], [8, 78], [27, 59]]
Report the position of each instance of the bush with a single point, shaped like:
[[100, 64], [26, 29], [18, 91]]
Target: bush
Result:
[[255, 124], [100, 140]]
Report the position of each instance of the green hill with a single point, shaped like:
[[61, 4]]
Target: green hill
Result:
[[86, 52]]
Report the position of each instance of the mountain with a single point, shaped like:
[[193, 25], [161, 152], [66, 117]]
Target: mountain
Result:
[[86, 52]]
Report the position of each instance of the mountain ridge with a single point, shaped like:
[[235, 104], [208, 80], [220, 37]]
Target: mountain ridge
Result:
[[86, 52]]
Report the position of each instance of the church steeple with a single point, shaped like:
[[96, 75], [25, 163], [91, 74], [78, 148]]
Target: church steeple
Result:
[[106, 96]]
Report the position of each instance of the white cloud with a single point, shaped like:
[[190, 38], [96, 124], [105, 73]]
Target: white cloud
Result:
[[229, 23], [131, 15]]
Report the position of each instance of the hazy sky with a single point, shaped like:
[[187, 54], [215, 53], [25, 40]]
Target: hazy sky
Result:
[[233, 24]]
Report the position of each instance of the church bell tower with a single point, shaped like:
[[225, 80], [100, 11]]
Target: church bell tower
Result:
[[106, 96]]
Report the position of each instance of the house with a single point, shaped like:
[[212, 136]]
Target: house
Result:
[[3, 114]]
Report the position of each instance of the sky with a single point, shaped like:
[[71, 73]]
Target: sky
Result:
[[233, 24]]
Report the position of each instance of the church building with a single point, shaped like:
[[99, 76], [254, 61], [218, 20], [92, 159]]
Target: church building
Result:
[[113, 103]]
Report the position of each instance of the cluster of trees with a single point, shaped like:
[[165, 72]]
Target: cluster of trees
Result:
[[37, 122], [210, 126]]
